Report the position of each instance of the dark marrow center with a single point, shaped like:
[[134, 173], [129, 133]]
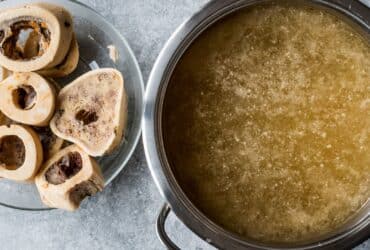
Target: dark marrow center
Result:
[[86, 117], [26, 40], [82, 190], [25, 97], [12, 152], [64, 169]]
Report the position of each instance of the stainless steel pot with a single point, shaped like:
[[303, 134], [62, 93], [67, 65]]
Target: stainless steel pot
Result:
[[351, 234]]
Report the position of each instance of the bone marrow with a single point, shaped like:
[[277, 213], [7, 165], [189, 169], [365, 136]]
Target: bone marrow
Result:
[[92, 111], [12, 152], [20, 153], [13, 46], [27, 98], [68, 177], [65, 168], [83, 190], [51, 143], [86, 117], [46, 23]]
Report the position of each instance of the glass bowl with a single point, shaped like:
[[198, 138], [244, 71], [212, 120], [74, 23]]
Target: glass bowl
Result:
[[94, 35]]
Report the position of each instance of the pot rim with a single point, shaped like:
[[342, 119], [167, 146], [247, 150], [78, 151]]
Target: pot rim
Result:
[[160, 169]]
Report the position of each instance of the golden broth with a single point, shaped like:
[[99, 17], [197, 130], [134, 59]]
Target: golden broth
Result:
[[267, 123]]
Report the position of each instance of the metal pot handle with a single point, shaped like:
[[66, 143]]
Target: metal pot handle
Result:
[[161, 231]]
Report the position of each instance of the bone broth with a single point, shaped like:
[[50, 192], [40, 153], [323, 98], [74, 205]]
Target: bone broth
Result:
[[267, 121]]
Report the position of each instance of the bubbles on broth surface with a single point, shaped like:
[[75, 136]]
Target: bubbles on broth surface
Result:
[[267, 123]]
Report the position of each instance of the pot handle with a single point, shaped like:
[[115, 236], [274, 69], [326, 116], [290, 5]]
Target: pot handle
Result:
[[161, 231]]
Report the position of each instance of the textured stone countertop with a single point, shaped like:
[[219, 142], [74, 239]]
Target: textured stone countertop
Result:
[[124, 215]]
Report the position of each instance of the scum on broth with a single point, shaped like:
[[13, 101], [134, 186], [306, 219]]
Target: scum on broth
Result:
[[267, 123]]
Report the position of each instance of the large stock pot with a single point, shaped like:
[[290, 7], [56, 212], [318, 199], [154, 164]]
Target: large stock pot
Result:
[[351, 234]]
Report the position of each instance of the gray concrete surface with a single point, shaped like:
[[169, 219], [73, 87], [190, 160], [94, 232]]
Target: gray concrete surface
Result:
[[123, 216]]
